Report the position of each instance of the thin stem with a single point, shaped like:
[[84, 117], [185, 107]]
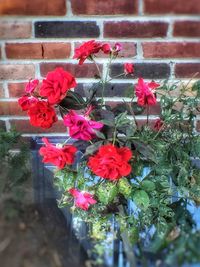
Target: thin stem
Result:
[[106, 78], [65, 142], [97, 66], [147, 114]]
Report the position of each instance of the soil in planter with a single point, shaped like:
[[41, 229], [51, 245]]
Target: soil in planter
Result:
[[29, 241]]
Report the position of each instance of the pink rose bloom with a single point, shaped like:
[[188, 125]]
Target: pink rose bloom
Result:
[[26, 102], [80, 127], [128, 68], [118, 47], [30, 87], [145, 92], [83, 199]]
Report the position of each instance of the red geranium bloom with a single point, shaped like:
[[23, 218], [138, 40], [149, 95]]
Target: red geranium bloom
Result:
[[118, 47], [146, 92], [111, 162], [26, 102], [86, 50], [83, 200], [42, 115], [81, 127], [158, 124], [30, 87], [56, 85], [106, 48], [128, 68], [57, 156]]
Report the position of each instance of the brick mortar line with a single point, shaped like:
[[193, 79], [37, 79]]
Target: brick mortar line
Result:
[[71, 17], [72, 61], [164, 39]]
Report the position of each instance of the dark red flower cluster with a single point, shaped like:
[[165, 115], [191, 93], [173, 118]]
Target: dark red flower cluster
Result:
[[58, 156], [111, 162], [53, 89]]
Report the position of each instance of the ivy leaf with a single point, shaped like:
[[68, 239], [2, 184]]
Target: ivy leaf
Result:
[[107, 192], [124, 187], [141, 199], [148, 185]]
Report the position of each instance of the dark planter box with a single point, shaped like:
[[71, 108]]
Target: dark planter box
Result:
[[75, 233]]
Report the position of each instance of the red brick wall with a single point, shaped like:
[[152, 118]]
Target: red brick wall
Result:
[[161, 37]]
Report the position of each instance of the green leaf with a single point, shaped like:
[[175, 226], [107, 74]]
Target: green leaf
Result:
[[145, 150], [141, 199], [73, 101], [124, 187], [148, 185], [93, 148], [107, 192], [99, 134]]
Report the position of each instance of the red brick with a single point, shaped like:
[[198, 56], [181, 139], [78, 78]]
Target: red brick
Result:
[[11, 108], [86, 71], [172, 6], [16, 71], [171, 50], [36, 7], [198, 126], [102, 7], [187, 70], [15, 30], [1, 90], [16, 89], [187, 28], [24, 126], [38, 50], [129, 29]]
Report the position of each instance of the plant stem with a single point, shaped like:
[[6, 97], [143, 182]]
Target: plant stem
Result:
[[127, 246], [147, 114]]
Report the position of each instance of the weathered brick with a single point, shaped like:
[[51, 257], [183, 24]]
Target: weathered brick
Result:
[[16, 71], [102, 7], [37, 50], [2, 125], [15, 30], [111, 90], [86, 71], [171, 6], [132, 29], [171, 50], [187, 28], [2, 90], [187, 70], [16, 89], [36, 7], [11, 108], [24, 126], [145, 70], [69, 29]]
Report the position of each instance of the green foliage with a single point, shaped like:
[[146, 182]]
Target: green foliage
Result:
[[14, 171]]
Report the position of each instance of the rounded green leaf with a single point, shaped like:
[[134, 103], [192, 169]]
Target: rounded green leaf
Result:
[[141, 199]]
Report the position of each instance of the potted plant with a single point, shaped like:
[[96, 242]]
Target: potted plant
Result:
[[133, 181]]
